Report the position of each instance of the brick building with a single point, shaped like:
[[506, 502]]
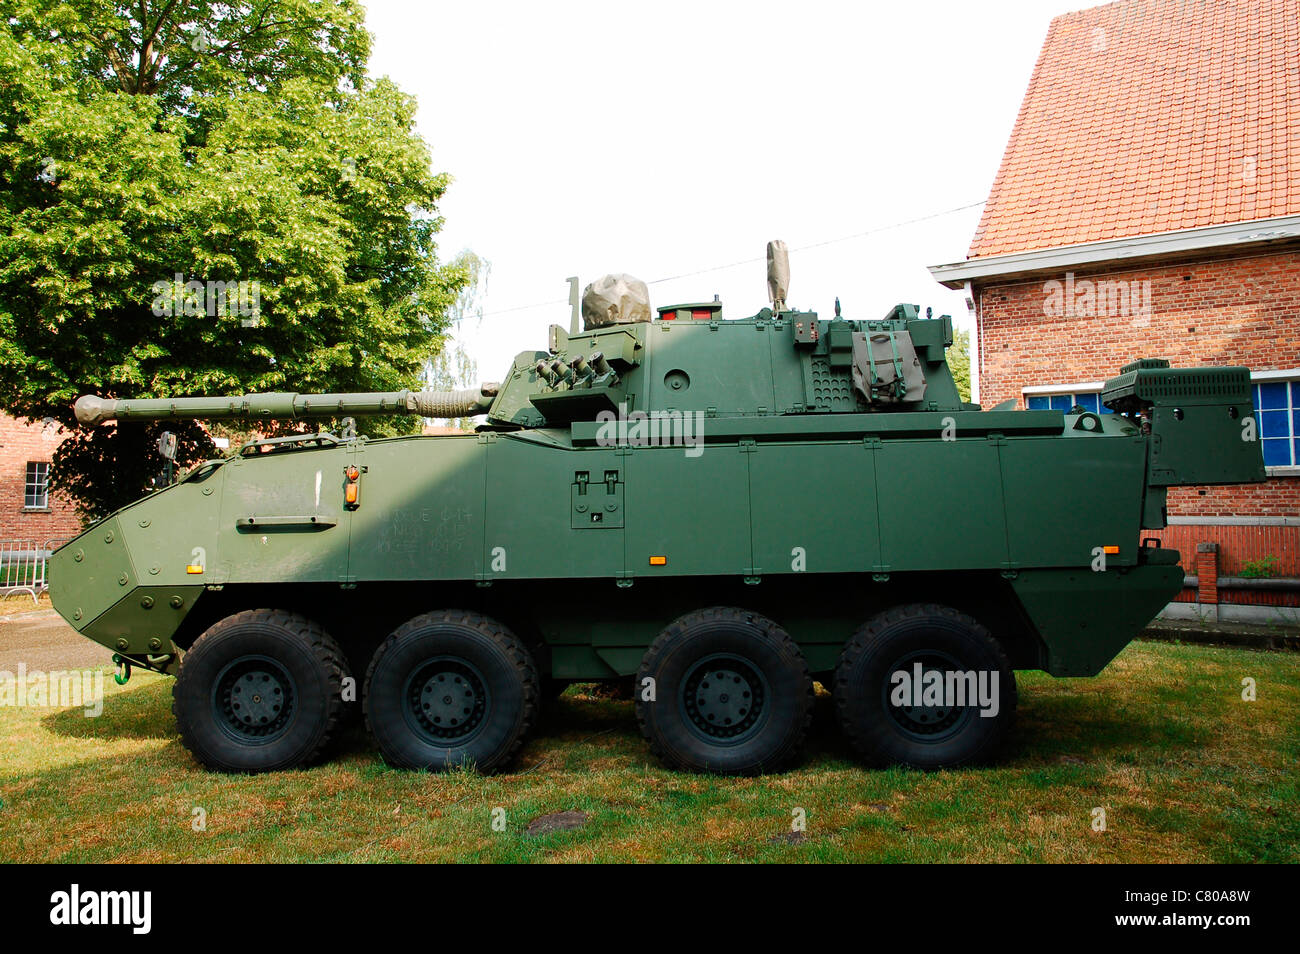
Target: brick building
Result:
[[1148, 205], [29, 512]]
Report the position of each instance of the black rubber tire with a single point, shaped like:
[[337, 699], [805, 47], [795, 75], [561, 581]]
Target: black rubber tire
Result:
[[776, 736], [302, 650], [509, 685], [863, 679]]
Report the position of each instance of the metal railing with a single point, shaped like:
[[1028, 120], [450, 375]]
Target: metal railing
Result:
[[24, 566]]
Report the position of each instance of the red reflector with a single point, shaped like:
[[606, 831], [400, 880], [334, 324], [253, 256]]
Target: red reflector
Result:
[[667, 316], [701, 314]]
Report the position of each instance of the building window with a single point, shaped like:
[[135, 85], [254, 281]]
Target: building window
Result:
[[36, 491], [1064, 400], [1278, 406]]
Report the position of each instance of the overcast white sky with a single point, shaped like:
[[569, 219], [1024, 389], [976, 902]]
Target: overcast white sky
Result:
[[669, 138]]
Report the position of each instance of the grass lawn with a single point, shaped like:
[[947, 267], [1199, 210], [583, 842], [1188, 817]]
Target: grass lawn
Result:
[[1162, 741]]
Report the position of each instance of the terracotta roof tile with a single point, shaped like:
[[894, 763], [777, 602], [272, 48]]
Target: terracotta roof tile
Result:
[[1149, 116]]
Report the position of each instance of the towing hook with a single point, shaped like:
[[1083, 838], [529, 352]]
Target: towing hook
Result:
[[123, 674]]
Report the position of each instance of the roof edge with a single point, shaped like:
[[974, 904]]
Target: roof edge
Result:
[[1140, 248]]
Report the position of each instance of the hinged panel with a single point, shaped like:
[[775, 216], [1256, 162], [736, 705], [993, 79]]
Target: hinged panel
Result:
[[531, 533], [691, 511], [597, 500], [282, 493], [941, 505], [420, 514], [798, 526]]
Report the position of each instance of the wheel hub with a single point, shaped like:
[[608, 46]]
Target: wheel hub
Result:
[[724, 698], [447, 700], [253, 699], [928, 721]]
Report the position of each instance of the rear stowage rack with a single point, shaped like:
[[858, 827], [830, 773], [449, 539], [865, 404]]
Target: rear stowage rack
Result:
[[1201, 422], [1152, 381]]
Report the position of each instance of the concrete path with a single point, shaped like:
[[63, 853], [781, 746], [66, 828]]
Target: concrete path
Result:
[[42, 640]]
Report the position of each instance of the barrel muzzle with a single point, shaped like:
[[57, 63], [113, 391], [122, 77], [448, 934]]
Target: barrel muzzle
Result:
[[91, 409]]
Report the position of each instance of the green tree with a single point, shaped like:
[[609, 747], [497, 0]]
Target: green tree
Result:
[[959, 362], [149, 149], [453, 367]]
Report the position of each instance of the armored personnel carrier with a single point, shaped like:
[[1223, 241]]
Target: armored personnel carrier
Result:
[[721, 509]]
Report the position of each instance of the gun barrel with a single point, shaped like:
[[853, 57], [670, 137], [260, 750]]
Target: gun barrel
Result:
[[91, 409]]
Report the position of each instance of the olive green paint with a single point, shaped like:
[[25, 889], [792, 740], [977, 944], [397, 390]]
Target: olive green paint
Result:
[[800, 495]]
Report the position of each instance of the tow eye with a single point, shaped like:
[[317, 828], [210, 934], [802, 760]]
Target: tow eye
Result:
[[123, 673]]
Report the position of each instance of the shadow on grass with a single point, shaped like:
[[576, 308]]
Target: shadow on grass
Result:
[[1067, 724], [142, 713]]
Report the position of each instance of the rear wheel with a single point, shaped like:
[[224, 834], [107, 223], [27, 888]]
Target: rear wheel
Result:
[[731, 694], [926, 686], [451, 688], [260, 691]]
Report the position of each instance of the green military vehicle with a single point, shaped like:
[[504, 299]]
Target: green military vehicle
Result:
[[721, 510]]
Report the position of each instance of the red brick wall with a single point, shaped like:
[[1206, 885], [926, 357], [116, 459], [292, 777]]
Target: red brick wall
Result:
[[20, 443], [1215, 311], [1237, 545]]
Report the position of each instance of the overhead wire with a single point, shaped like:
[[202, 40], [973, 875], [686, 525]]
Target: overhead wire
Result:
[[750, 261]]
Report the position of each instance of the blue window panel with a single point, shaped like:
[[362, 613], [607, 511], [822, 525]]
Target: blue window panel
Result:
[[1062, 402], [1277, 453], [1274, 424], [1295, 393], [1037, 402], [1087, 401], [1272, 395]]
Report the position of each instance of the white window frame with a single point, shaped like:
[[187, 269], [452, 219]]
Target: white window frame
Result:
[[42, 471], [1055, 390], [1263, 377]]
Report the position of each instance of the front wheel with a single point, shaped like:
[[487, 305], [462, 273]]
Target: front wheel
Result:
[[260, 691], [451, 688], [925, 686], [724, 690]]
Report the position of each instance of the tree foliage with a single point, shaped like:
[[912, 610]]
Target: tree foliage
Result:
[[959, 362], [453, 367], [152, 147]]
